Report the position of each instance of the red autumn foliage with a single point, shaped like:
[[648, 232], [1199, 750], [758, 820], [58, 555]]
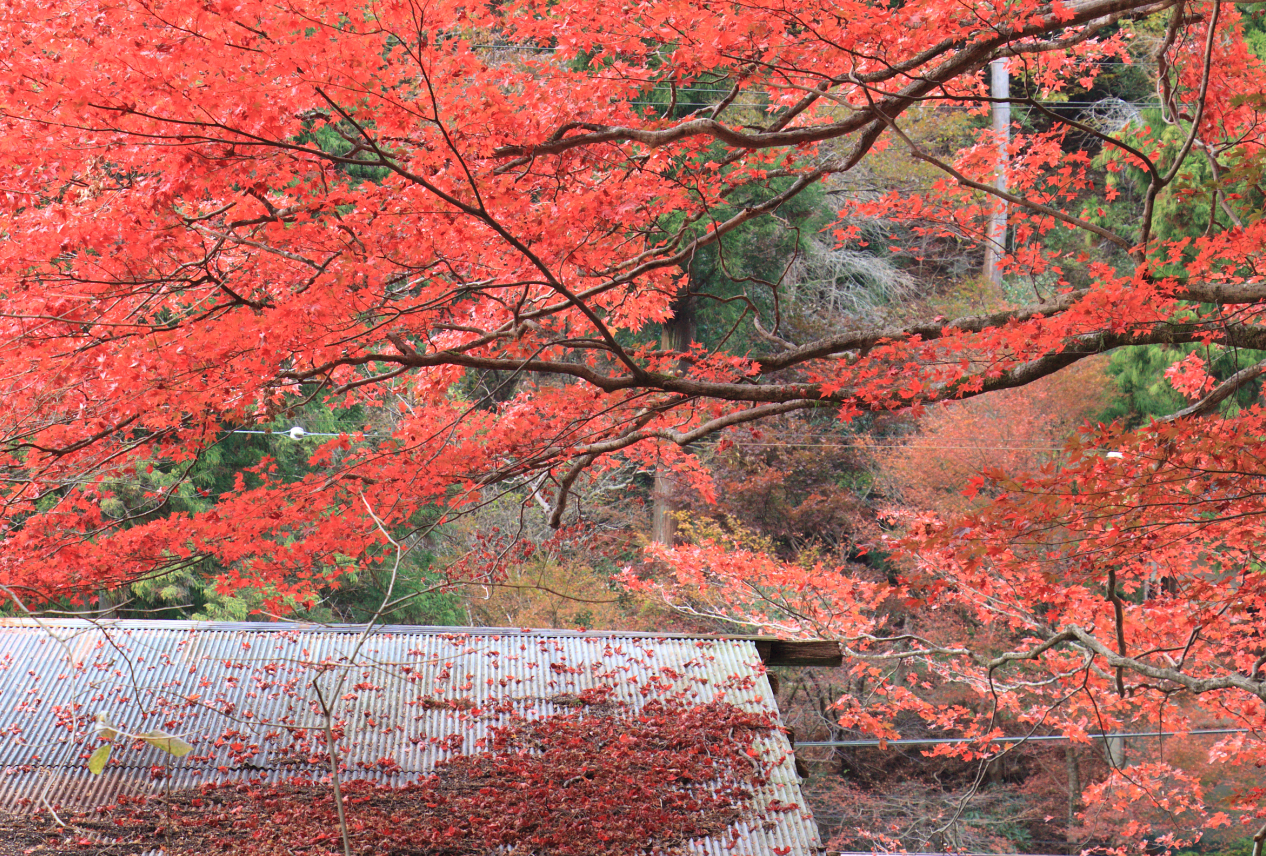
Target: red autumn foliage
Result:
[[422, 210], [217, 211], [584, 784]]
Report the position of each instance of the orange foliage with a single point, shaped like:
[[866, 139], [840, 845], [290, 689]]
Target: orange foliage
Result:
[[1016, 431]]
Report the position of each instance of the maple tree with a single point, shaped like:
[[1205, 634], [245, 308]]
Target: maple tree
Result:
[[471, 218]]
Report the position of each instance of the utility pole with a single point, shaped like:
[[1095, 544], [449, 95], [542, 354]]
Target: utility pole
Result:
[[996, 242]]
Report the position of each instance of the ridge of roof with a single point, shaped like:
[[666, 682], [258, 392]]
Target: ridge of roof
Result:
[[311, 627], [774, 651]]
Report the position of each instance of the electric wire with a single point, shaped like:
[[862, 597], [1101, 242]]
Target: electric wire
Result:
[[1010, 739], [301, 434]]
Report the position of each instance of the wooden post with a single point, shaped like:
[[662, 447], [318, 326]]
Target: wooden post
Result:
[[1114, 751]]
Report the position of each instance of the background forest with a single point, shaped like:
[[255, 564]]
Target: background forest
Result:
[[800, 522]]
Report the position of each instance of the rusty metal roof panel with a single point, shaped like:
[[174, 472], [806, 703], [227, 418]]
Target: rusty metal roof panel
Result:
[[243, 694]]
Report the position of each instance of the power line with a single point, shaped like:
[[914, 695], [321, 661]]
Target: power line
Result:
[[763, 105], [1037, 738], [295, 433], [901, 446], [298, 433], [551, 49], [904, 853]]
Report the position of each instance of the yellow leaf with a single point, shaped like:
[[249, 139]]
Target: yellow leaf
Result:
[[97, 760], [169, 743]]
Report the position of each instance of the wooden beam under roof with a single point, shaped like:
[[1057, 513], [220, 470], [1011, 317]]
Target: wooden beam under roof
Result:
[[789, 652]]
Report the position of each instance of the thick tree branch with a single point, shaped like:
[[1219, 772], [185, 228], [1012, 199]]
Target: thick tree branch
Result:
[[959, 59], [1087, 640], [1219, 393]]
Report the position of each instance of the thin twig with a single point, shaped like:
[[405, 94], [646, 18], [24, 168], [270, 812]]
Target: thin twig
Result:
[[334, 776]]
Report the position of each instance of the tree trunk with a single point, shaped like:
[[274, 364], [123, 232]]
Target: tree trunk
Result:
[[1074, 789], [105, 604], [677, 335]]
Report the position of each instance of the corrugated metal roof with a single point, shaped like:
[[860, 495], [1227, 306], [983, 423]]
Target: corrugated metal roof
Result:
[[411, 697]]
